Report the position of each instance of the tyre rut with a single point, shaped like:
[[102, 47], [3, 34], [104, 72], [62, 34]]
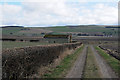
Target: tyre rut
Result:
[[105, 69], [78, 68]]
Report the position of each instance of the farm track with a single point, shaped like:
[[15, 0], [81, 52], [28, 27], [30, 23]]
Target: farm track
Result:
[[106, 70], [78, 69], [91, 69]]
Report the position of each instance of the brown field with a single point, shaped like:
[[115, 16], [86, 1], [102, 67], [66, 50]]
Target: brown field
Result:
[[112, 45]]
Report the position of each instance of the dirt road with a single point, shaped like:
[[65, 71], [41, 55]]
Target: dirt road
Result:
[[77, 71], [105, 69]]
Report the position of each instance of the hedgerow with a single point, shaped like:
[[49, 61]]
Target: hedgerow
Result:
[[23, 62]]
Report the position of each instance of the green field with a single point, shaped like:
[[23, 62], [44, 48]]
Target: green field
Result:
[[10, 44], [79, 29], [9, 30], [41, 31], [58, 30]]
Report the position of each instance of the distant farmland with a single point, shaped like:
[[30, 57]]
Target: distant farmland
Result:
[[33, 52], [40, 31], [75, 31]]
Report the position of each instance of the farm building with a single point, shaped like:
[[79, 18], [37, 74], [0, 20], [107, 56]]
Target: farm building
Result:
[[52, 38]]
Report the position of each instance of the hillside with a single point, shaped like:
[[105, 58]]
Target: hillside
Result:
[[74, 30]]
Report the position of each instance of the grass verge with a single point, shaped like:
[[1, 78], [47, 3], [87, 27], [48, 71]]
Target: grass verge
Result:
[[91, 68], [114, 63], [61, 70]]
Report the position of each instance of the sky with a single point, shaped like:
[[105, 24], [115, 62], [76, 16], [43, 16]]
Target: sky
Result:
[[41, 13]]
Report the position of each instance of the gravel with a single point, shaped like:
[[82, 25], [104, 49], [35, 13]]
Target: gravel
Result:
[[78, 68]]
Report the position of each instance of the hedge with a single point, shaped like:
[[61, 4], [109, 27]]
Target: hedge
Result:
[[23, 62]]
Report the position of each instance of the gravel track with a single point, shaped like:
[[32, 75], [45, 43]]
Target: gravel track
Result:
[[105, 69], [78, 68]]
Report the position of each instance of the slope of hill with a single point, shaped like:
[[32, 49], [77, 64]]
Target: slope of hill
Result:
[[40, 31]]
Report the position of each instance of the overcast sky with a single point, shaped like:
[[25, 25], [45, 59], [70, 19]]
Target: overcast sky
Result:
[[58, 12]]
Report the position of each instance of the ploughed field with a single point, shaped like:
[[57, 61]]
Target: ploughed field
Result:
[[113, 45], [112, 48]]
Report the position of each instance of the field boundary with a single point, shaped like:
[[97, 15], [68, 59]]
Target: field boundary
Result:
[[65, 65], [110, 52], [24, 62]]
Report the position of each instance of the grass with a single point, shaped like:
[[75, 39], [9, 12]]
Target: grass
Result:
[[10, 44], [14, 30], [61, 70], [59, 29], [88, 29], [91, 68], [114, 63]]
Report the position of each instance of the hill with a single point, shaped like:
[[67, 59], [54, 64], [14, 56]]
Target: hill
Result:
[[69, 29]]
